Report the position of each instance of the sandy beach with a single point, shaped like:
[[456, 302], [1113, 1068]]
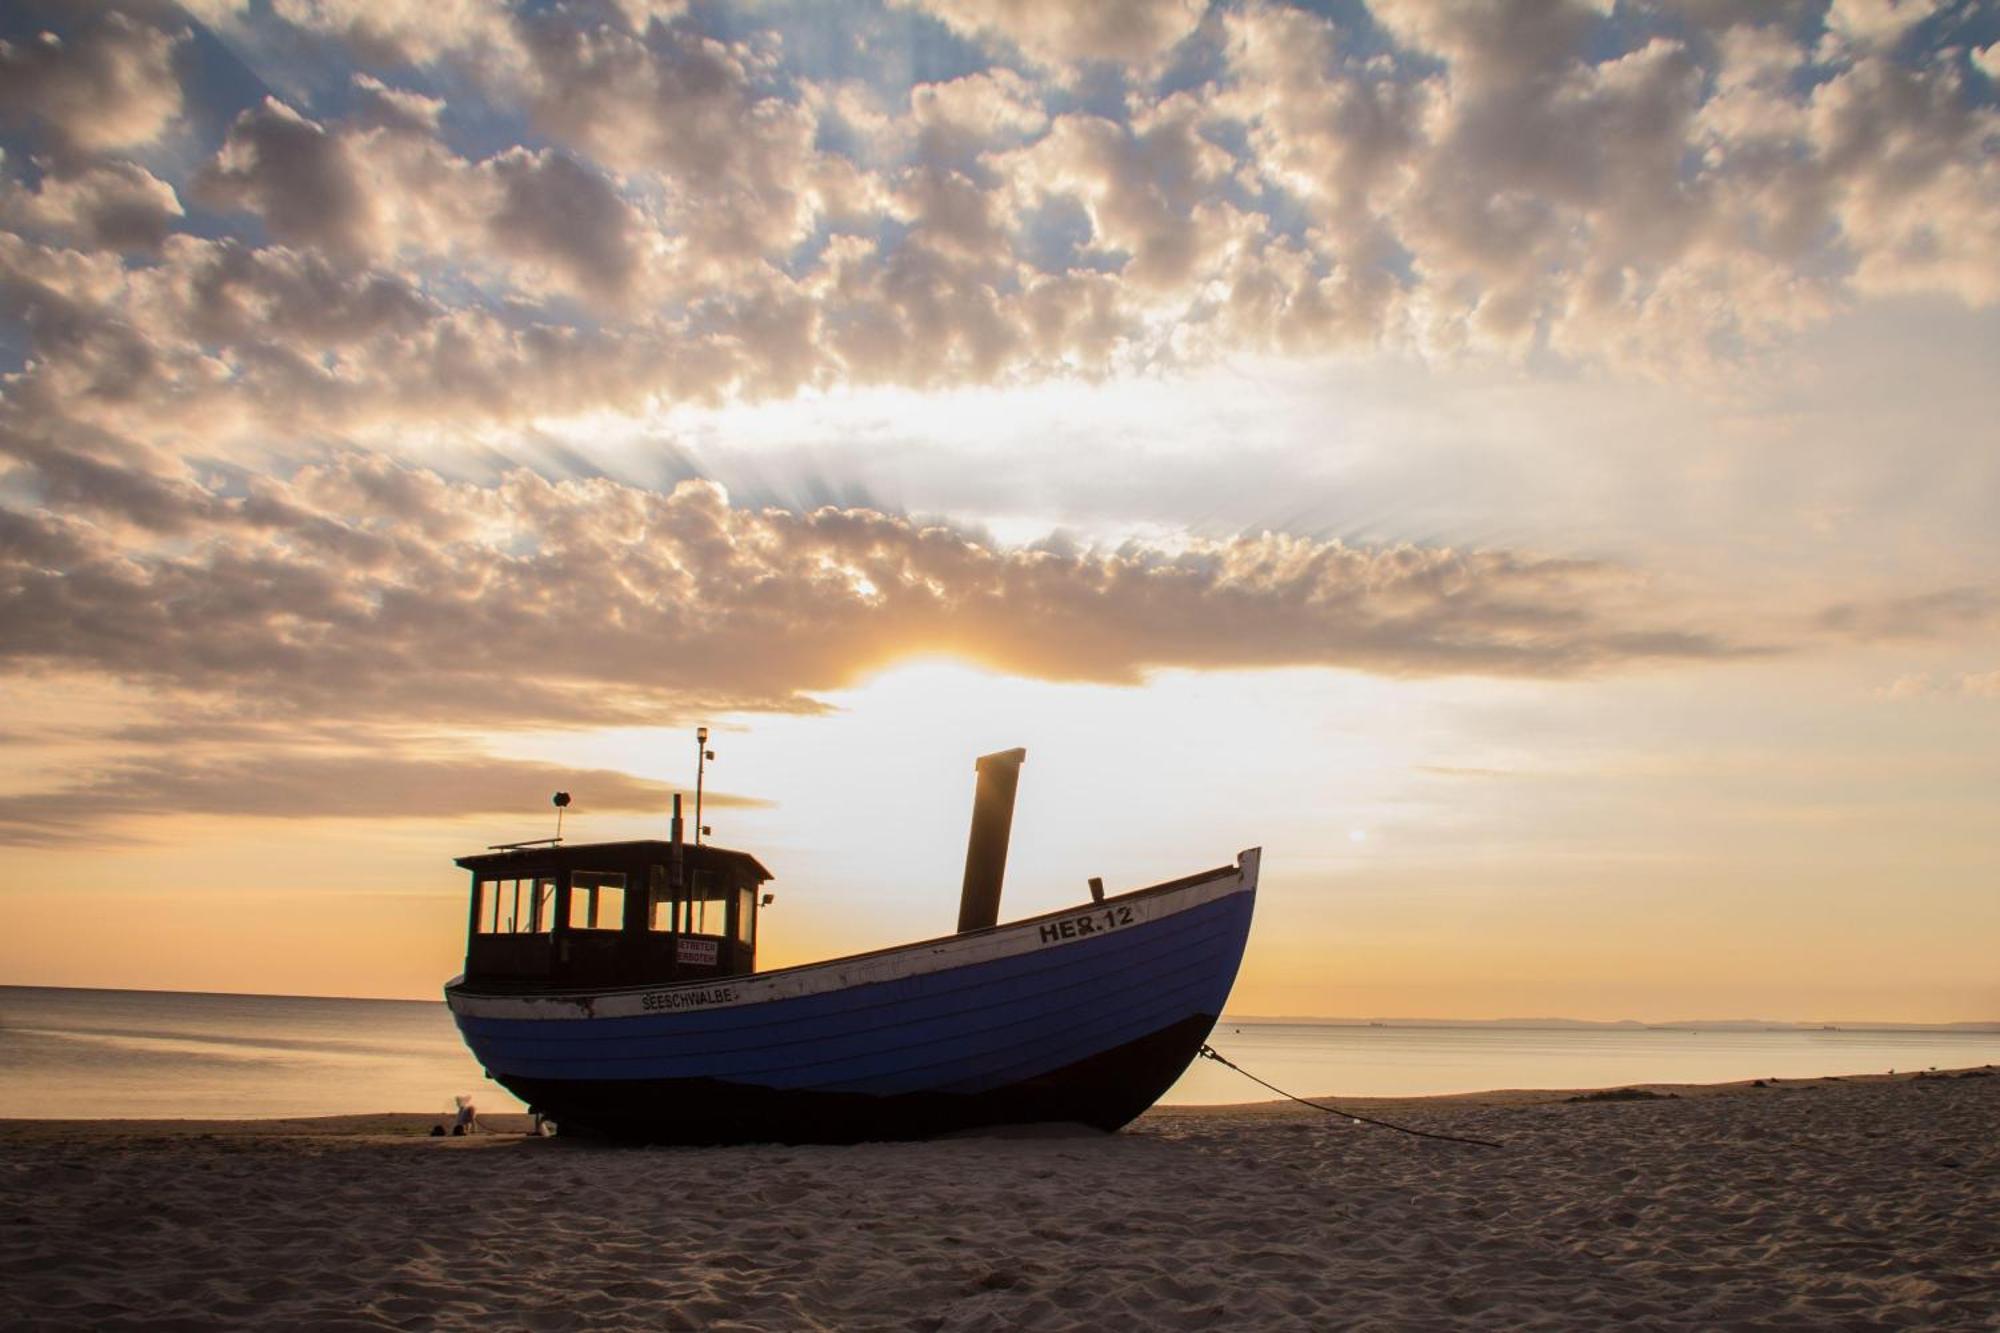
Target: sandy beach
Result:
[[1856, 1202]]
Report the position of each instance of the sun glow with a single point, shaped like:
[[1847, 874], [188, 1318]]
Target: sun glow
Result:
[[868, 804]]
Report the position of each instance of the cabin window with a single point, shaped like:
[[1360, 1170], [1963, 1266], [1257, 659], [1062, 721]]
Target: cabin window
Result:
[[516, 906], [746, 915], [660, 901], [597, 900], [707, 908], [704, 910]]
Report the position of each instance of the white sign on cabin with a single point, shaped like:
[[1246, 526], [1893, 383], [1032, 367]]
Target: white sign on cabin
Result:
[[696, 951]]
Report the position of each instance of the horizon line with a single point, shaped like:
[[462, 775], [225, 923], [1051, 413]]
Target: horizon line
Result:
[[1386, 1020]]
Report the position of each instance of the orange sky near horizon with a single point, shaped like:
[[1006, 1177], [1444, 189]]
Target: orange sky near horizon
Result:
[[1406, 873]]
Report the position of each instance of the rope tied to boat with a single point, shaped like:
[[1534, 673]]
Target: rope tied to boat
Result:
[[1208, 1052]]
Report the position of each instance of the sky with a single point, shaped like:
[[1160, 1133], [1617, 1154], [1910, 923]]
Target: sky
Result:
[[1529, 466]]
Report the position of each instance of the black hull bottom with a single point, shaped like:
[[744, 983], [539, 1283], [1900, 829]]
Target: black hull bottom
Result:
[[1105, 1091]]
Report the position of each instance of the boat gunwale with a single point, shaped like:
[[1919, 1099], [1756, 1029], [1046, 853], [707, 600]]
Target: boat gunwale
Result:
[[457, 987]]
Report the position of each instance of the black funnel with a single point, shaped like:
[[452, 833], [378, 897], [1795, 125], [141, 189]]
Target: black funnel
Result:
[[986, 848]]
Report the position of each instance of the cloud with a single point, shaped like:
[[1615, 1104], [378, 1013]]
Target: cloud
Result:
[[279, 783], [554, 213], [965, 114], [1668, 206], [1910, 686], [1055, 33], [106, 205], [1986, 60], [225, 350], [736, 166], [1551, 199], [1150, 190], [379, 106], [405, 32], [1924, 684], [361, 590], [1873, 24], [302, 181], [657, 213], [384, 187], [1342, 140], [109, 85], [1927, 615], [1460, 771], [1912, 181]]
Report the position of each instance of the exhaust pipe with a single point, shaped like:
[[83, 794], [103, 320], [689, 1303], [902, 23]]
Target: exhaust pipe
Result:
[[986, 848]]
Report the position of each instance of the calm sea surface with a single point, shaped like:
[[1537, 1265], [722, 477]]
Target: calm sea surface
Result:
[[89, 1053]]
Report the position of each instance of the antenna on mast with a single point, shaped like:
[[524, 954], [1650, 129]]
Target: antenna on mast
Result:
[[559, 800], [702, 755]]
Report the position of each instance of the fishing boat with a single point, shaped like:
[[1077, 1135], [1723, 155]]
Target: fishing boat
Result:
[[613, 988]]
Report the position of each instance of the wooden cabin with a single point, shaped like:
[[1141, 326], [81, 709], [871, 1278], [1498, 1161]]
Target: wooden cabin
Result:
[[556, 917]]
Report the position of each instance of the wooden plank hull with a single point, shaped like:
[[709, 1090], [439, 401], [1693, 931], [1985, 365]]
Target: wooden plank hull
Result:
[[1087, 1015]]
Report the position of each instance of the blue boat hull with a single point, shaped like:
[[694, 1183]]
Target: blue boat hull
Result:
[[1104, 1091], [1077, 1016]]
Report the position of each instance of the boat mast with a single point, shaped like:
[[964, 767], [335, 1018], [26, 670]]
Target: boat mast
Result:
[[675, 875], [702, 755]]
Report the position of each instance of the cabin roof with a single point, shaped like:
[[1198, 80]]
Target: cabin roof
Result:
[[586, 855]]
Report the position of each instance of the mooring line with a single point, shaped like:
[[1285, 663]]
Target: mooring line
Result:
[[1208, 1052]]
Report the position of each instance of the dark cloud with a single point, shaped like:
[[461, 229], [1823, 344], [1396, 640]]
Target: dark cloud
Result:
[[553, 211], [303, 182], [109, 84], [1927, 615], [385, 189], [233, 296], [107, 205], [293, 784]]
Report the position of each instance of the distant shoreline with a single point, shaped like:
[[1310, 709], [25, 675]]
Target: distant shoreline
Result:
[[1625, 1024], [1301, 1020]]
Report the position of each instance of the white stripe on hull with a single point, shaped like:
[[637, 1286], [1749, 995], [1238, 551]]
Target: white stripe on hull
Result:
[[1036, 933]]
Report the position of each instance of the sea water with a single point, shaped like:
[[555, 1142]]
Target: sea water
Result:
[[171, 1055], [1401, 1060], [163, 1054]]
